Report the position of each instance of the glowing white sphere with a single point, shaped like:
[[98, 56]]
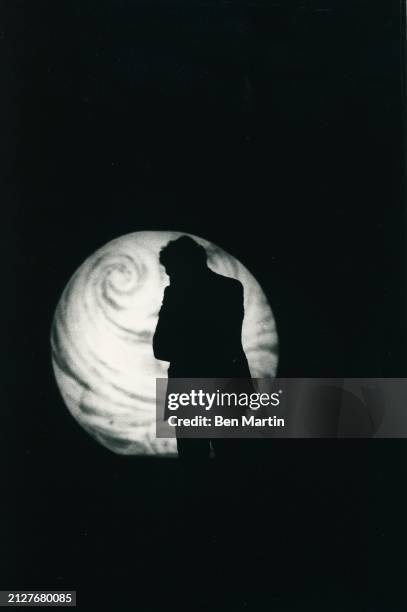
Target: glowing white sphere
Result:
[[102, 333]]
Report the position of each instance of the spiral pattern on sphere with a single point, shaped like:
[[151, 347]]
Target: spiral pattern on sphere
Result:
[[101, 339]]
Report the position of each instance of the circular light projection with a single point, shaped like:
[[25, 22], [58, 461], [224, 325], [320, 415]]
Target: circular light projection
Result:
[[102, 333]]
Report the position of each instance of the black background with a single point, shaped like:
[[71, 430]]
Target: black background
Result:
[[276, 131]]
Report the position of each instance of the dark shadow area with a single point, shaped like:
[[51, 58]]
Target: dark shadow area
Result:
[[276, 131]]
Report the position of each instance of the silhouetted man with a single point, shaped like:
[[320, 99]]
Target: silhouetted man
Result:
[[199, 332], [199, 329]]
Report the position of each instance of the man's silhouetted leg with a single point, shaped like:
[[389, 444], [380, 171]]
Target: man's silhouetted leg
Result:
[[194, 456], [192, 450], [231, 513], [195, 508]]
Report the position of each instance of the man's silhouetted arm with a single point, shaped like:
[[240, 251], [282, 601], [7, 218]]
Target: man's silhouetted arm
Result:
[[164, 332]]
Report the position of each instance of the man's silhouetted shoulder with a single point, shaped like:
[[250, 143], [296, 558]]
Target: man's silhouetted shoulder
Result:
[[229, 289], [230, 283]]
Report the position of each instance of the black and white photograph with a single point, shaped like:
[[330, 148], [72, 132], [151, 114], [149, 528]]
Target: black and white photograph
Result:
[[204, 205]]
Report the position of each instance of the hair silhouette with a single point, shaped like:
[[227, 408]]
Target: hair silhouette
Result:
[[183, 253]]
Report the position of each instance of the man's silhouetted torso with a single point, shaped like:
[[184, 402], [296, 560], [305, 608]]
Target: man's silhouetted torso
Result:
[[200, 326]]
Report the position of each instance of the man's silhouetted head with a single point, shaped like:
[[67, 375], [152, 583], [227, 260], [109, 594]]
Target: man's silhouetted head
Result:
[[182, 257]]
